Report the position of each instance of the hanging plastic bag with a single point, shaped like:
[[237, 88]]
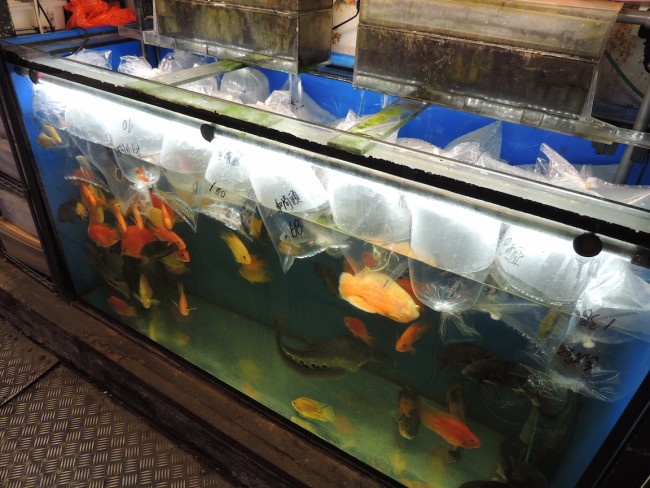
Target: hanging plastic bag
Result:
[[180, 60], [97, 13], [294, 237], [292, 101], [96, 58], [249, 85], [136, 66]]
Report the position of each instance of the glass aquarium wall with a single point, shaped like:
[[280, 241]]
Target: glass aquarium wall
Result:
[[437, 338]]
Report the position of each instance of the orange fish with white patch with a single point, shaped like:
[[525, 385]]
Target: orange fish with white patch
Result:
[[413, 332], [358, 329], [121, 307], [451, 429], [376, 292]]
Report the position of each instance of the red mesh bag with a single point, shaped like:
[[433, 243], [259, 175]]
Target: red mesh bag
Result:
[[97, 13]]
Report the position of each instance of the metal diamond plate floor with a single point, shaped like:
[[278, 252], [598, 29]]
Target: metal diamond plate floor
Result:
[[61, 431], [21, 362]]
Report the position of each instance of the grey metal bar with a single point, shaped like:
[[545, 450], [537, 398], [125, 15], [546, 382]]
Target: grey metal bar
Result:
[[640, 124], [631, 16]]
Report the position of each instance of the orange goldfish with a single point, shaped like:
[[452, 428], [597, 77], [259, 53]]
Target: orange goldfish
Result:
[[256, 271], [448, 427], [134, 239], [182, 304], [358, 329], [236, 246], [182, 255], [312, 409], [376, 292], [166, 213], [145, 292], [102, 235], [410, 335], [166, 235], [121, 307]]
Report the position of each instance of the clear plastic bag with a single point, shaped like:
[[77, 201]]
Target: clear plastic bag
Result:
[[249, 85], [96, 58], [181, 60], [136, 66], [614, 306], [294, 237], [292, 101]]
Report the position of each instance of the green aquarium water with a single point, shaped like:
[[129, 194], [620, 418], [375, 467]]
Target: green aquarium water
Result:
[[235, 327]]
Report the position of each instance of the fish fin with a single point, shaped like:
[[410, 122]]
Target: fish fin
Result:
[[411, 351]]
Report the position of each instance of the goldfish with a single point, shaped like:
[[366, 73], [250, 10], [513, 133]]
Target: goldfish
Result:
[[237, 247], [454, 431], [250, 369], [166, 235], [121, 307], [312, 409], [358, 329], [180, 339], [398, 462], [174, 264], [102, 235], [134, 239], [549, 323], [182, 255], [256, 271], [183, 307], [376, 292], [145, 292], [414, 332]]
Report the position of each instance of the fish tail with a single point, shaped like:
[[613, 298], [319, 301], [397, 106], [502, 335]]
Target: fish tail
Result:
[[328, 414], [371, 342]]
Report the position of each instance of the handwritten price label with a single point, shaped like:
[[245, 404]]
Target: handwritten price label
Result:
[[217, 190], [570, 355], [288, 201], [511, 252], [296, 228], [588, 320]]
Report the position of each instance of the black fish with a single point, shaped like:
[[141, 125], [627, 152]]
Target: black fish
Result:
[[521, 474], [331, 358], [500, 372], [461, 354], [408, 419], [68, 211], [329, 276]]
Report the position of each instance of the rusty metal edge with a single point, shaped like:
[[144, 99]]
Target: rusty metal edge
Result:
[[246, 443]]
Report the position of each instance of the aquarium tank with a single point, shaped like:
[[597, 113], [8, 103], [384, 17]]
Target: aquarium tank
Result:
[[431, 298]]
